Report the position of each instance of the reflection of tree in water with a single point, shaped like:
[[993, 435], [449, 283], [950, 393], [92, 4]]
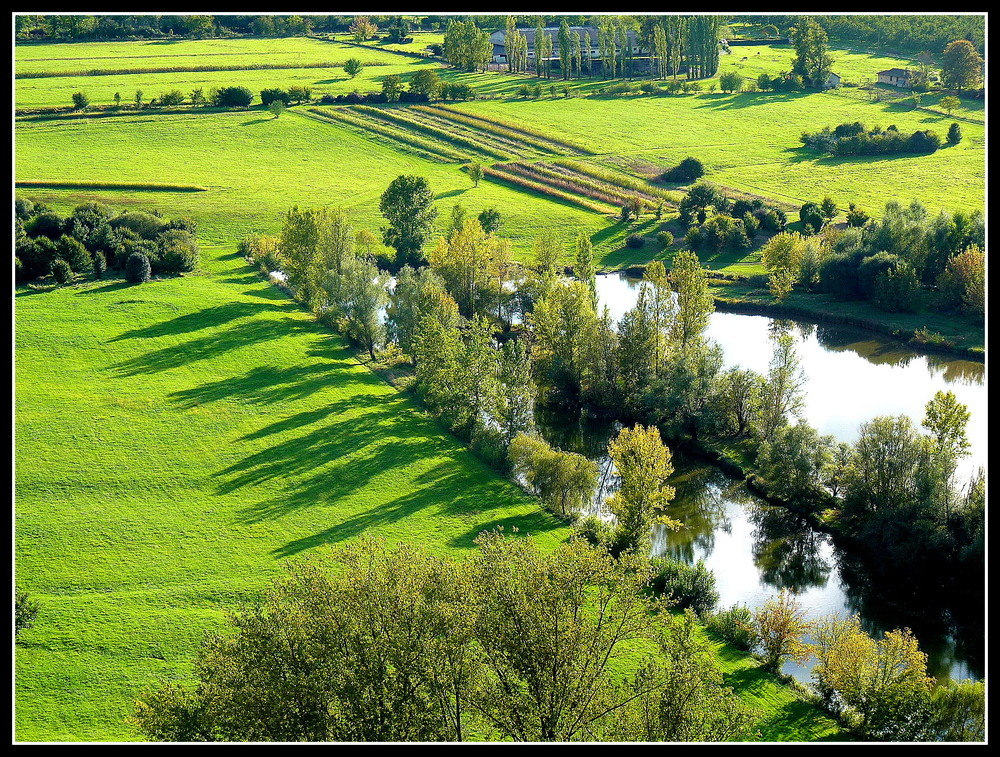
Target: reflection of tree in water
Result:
[[786, 550], [952, 637], [872, 349], [806, 329], [779, 327], [967, 372], [702, 501]]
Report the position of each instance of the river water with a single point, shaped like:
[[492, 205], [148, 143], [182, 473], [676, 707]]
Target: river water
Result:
[[756, 550]]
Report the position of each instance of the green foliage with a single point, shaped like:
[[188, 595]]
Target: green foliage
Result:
[[80, 101], [407, 205], [643, 464], [61, 272], [565, 481], [779, 627], [25, 611], [137, 268], [353, 67], [685, 585], [735, 625]]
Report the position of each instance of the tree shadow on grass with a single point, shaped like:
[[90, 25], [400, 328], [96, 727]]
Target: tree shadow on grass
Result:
[[796, 717], [201, 319], [247, 333], [452, 493]]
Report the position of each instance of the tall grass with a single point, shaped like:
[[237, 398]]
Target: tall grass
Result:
[[508, 173], [514, 147], [426, 147], [108, 185], [634, 185], [576, 185], [557, 143], [398, 119], [529, 142], [185, 69]]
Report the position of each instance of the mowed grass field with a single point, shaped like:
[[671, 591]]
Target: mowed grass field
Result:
[[175, 444]]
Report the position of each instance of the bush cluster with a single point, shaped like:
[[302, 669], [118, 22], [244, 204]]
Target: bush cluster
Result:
[[688, 585], [856, 139], [95, 238]]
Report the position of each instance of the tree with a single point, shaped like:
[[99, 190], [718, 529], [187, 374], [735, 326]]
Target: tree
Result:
[[794, 465], [277, 107], [954, 134], [781, 395], [564, 324], [961, 66], [476, 173], [392, 87], [358, 294], [782, 257], [695, 303], [812, 56], [780, 625], [407, 204], [489, 219], [551, 625], [583, 266], [466, 46], [950, 103], [137, 268], [80, 101], [946, 418], [730, 82], [362, 29], [353, 67], [881, 685], [473, 265], [426, 82], [565, 481], [642, 462], [25, 611], [418, 293]]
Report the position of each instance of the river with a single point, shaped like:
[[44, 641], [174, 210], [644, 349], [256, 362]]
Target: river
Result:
[[756, 550]]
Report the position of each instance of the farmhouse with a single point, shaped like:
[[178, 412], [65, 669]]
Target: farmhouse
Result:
[[896, 77], [500, 47], [832, 81]]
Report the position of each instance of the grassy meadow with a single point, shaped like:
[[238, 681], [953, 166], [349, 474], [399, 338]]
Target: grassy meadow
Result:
[[177, 442]]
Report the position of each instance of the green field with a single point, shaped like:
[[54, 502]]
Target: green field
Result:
[[178, 441], [175, 443]]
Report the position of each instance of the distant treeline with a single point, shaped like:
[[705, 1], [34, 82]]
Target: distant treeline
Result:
[[910, 33], [856, 139]]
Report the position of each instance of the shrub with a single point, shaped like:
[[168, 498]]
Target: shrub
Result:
[[178, 252], [231, 97], [812, 218], [595, 530], [99, 264], [137, 268], [144, 225], [954, 134], [268, 96], [856, 217], [665, 239], [635, 241], [689, 585], [48, 224], [80, 101], [25, 611], [688, 169], [174, 97], [74, 253], [735, 625], [61, 272]]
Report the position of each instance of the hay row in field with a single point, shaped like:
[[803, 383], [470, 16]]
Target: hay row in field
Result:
[[553, 144], [502, 172], [398, 119], [630, 183], [407, 140], [526, 141], [110, 185], [576, 185], [184, 69], [512, 147]]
